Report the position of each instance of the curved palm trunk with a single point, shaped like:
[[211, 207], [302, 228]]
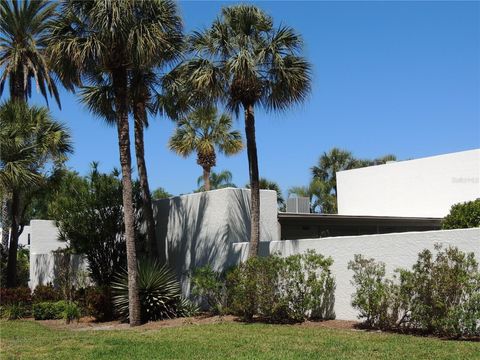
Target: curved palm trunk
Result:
[[12, 250], [119, 80], [139, 121], [254, 181], [206, 178]]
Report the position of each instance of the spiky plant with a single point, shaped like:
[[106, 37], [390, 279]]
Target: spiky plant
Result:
[[159, 291], [108, 39]]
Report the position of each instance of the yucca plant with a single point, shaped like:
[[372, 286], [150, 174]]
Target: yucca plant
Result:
[[159, 291]]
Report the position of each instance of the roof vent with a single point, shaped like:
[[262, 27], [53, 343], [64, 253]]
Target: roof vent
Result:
[[298, 204]]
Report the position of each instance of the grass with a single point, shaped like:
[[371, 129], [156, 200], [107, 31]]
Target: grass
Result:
[[32, 340]]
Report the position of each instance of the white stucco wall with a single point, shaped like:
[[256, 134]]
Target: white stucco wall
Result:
[[395, 250], [23, 238], [425, 187], [202, 228], [44, 240]]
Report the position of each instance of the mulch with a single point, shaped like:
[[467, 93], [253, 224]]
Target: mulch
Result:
[[89, 323]]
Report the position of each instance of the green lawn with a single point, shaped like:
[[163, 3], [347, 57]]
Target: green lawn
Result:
[[29, 340]]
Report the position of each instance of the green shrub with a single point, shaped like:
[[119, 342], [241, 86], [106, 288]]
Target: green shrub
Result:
[[376, 297], [439, 295], [463, 215], [13, 311], [43, 293], [209, 287], [49, 310], [282, 290], [70, 312], [187, 308], [160, 295]]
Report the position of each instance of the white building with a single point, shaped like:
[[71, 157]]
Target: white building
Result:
[[425, 187]]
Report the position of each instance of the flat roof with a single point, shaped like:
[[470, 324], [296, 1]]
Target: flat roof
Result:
[[335, 218]]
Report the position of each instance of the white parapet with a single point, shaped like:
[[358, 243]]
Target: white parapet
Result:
[[201, 228], [425, 187]]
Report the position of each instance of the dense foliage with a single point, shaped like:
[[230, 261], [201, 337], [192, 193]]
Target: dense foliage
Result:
[[278, 290], [89, 214], [56, 310], [159, 290], [439, 295], [463, 215]]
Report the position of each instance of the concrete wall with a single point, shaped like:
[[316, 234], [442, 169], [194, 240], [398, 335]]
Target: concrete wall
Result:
[[395, 250], [43, 263], [202, 228], [23, 238], [425, 187]]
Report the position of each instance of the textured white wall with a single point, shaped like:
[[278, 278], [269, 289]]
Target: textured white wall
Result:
[[425, 187], [202, 228], [23, 238], [395, 250], [44, 240]]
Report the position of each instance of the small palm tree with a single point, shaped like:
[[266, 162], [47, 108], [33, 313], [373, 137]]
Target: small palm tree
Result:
[[23, 34], [203, 131], [94, 40], [220, 180], [30, 141], [244, 61]]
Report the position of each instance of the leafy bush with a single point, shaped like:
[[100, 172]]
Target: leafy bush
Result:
[[282, 290], [13, 311], [439, 295], [49, 310], [44, 293], [15, 296], [209, 286], [70, 312], [89, 214], [463, 215], [160, 295]]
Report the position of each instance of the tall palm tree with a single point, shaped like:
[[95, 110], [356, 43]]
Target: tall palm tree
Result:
[[220, 180], [29, 140], [111, 38], [142, 101], [203, 131], [23, 31], [23, 35], [243, 60]]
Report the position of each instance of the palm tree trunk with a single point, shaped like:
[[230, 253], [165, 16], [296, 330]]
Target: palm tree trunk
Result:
[[12, 251], [139, 120], [119, 79], [206, 178], [17, 93], [5, 222], [254, 181]]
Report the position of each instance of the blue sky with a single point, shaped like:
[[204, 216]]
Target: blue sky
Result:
[[389, 77]]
